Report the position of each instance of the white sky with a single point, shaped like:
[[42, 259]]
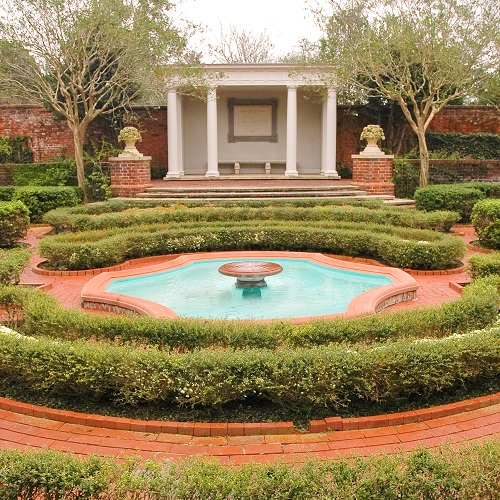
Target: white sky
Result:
[[286, 21]]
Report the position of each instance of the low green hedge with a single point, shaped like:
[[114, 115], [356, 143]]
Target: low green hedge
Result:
[[481, 265], [12, 262], [458, 473], [14, 222], [486, 220], [476, 308], [41, 199], [394, 246], [72, 219], [330, 376], [459, 198]]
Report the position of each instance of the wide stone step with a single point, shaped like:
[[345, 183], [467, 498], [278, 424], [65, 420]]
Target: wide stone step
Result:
[[250, 189], [250, 194]]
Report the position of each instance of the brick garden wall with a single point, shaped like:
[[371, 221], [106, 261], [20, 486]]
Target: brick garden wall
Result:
[[51, 138]]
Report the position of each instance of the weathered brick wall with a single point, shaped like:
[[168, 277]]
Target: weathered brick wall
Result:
[[467, 120], [49, 138], [52, 138]]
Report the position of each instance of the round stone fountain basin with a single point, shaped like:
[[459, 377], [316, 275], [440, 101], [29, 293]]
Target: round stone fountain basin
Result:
[[250, 273], [100, 292]]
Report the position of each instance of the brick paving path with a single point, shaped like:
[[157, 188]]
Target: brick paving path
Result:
[[32, 427]]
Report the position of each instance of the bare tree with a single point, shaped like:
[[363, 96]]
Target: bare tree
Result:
[[86, 58], [423, 55], [246, 46]]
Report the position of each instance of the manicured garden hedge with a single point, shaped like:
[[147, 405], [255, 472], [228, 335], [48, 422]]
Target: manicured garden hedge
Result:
[[480, 146], [486, 220], [464, 473], [80, 219], [42, 314], [481, 265], [330, 375], [459, 198], [394, 246], [12, 262], [41, 199], [14, 222]]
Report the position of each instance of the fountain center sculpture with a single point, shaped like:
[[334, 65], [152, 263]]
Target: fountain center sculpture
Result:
[[250, 274]]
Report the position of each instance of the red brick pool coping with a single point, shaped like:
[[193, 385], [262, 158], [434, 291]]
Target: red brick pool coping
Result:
[[249, 429]]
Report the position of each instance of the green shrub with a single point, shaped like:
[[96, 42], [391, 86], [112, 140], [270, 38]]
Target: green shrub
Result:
[[41, 199], [60, 173], [6, 193], [459, 198], [395, 246], [41, 312], [80, 219], [51, 475], [14, 222], [463, 473], [158, 172], [481, 265], [486, 220], [405, 177], [12, 262], [330, 376]]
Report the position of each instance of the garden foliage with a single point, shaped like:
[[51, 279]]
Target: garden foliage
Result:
[[41, 199], [459, 198], [486, 219], [310, 373], [12, 263], [14, 222], [448, 473]]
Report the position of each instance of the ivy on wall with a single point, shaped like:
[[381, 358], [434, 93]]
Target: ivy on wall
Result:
[[15, 149]]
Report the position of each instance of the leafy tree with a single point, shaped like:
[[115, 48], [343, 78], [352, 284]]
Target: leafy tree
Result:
[[422, 55], [87, 58]]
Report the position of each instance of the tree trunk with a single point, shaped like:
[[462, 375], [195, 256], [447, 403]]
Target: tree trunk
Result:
[[424, 159], [78, 141]]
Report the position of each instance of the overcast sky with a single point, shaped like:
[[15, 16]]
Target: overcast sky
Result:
[[286, 21]]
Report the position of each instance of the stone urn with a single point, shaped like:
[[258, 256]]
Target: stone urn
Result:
[[372, 134], [130, 135]]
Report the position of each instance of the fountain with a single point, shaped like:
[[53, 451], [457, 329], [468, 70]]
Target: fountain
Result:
[[251, 273]]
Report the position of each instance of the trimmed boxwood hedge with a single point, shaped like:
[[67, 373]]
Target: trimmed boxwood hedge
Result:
[[394, 246], [329, 375], [76, 219], [14, 222], [459, 198], [12, 262], [458, 473], [476, 308], [486, 220], [41, 199]]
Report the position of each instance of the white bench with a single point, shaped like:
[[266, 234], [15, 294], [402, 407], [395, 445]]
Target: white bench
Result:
[[238, 163]]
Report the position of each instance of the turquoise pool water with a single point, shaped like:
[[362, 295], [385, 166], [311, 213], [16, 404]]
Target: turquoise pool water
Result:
[[303, 289]]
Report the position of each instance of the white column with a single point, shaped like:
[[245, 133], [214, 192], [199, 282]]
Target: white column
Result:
[[291, 133], [323, 136], [330, 147], [180, 135], [212, 153], [172, 134]]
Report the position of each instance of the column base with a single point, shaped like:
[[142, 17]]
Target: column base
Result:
[[331, 175], [172, 176], [212, 174], [292, 173]]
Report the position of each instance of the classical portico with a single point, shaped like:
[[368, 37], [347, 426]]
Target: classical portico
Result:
[[257, 119]]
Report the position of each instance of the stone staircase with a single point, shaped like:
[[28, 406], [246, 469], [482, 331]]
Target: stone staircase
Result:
[[254, 192]]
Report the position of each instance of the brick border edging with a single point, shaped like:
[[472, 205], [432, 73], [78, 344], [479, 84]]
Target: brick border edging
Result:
[[248, 429]]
